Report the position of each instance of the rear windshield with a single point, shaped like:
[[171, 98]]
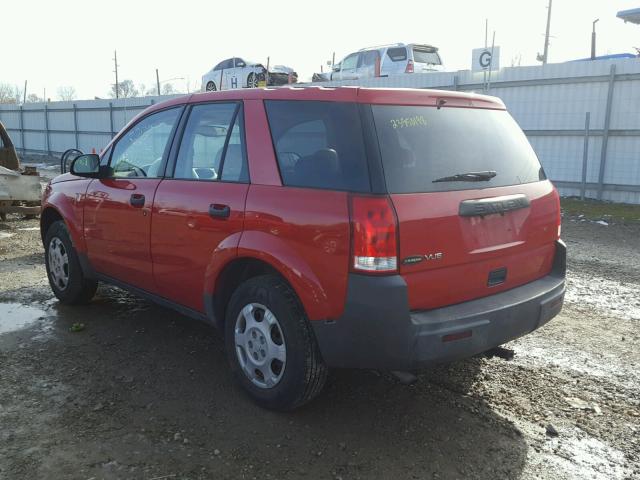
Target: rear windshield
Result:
[[422, 144], [429, 56], [319, 144]]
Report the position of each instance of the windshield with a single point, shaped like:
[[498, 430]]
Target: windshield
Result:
[[426, 56], [420, 146]]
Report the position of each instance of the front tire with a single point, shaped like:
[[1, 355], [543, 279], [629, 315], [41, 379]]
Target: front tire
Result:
[[65, 275], [211, 86], [270, 345]]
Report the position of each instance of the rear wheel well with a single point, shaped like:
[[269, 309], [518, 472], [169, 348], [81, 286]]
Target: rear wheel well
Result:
[[47, 218], [233, 275]]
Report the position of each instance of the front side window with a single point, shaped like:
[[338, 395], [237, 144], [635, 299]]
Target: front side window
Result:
[[212, 146], [319, 144], [141, 150], [105, 157], [350, 62]]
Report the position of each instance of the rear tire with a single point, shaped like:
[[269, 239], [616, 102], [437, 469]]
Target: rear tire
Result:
[[211, 87], [252, 81], [65, 275], [264, 310]]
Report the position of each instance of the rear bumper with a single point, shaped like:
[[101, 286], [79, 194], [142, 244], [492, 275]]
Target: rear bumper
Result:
[[377, 329]]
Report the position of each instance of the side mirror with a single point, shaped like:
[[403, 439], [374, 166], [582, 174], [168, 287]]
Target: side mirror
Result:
[[87, 165]]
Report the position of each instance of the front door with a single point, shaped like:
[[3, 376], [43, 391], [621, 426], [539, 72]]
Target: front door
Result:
[[348, 70], [117, 214], [198, 211], [368, 64]]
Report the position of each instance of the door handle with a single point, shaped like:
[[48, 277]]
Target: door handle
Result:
[[137, 200], [219, 211]]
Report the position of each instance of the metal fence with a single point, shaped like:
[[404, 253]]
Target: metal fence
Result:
[[51, 128], [582, 118]]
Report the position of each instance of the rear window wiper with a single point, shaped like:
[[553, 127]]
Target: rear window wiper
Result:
[[468, 177]]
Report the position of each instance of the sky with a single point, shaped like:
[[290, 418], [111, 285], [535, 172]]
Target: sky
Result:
[[53, 44]]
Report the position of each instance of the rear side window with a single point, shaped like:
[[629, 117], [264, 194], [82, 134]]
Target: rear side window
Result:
[[319, 144], [420, 146], [212, 146], [368, 58], [397, 54]]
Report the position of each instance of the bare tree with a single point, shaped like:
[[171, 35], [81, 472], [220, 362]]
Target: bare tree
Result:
[[9, 93], [126, 89], [34, 98], [67, 93], [168, 89]]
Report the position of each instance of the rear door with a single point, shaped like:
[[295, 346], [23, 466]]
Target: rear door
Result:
[[117, 212], [394, 61], [198, 212], [468, 236]]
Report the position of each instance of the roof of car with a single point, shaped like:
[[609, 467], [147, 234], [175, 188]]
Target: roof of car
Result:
[[381, 96]]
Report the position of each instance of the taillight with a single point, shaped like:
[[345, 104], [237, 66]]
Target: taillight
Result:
[[558, 211], [374, 228], [409, 68]]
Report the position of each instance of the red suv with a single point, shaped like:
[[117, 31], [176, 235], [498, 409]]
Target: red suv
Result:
[[318, 227]]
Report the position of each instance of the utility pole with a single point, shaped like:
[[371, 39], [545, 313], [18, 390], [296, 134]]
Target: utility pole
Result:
[[486, 35], [115, 61], [158, 81], [545, 55], [593, 39], [24, 94]]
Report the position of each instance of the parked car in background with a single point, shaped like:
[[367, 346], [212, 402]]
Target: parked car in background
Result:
[[387, 60], [238, 73], [317, 228]]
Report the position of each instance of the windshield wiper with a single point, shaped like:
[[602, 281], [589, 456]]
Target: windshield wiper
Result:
[[468, 177]]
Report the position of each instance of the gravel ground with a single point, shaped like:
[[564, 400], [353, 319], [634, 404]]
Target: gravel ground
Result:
[[143, 393]]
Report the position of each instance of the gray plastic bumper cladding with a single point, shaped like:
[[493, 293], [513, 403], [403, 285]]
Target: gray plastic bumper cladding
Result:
[[377, 329]]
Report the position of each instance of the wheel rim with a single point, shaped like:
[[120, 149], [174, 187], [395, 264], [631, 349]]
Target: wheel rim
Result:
[[260, 345], [253, 82], [58, 263], [211, 87]]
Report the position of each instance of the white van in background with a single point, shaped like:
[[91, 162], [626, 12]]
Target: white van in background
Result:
[[387, 60]]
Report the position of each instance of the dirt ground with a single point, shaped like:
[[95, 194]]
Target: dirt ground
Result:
[[143, 393]]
